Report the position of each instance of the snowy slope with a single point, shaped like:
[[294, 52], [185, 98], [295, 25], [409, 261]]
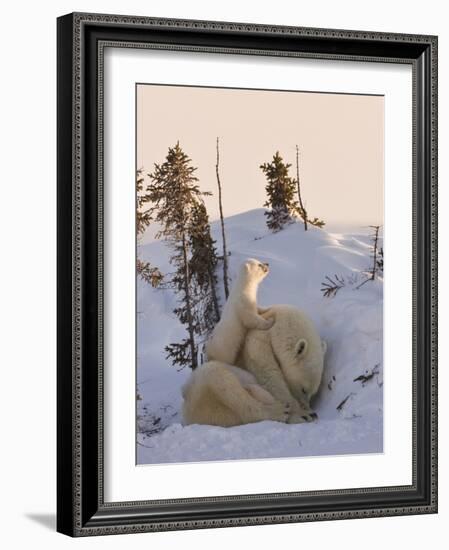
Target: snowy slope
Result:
[[350, 412]]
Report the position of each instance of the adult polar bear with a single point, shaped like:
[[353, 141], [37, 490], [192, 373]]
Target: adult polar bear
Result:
[[288, 360], [278, 371]]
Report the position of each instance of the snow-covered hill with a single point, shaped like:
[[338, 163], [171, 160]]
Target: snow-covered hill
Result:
[[350, 411]]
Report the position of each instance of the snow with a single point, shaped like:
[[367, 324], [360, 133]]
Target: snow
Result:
[[350, 412]]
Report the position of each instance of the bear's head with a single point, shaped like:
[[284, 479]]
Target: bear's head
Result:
[[255, 270], [299, 351], [303, 369]]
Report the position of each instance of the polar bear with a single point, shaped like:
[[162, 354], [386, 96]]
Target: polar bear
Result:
[[287, 360], [278, 372], [240, 314], [218, 394]]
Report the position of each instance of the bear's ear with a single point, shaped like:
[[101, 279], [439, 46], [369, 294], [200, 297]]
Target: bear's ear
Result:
[[301, 347], [324, 346]]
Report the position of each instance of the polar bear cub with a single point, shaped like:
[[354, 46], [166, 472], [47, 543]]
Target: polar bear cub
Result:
[[240, 314]]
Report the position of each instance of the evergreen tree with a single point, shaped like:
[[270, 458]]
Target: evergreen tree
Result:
[[281, 191], [174, 193], [203, 262], [145, 270], [143, 216]]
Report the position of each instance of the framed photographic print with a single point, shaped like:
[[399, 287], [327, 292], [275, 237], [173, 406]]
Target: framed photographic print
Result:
[[247, 291]]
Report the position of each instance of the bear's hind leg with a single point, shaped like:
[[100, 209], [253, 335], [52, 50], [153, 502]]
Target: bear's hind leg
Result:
[[260, 394], [229, 391]]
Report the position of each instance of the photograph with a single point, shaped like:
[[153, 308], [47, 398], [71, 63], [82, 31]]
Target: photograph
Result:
[[247, 278], [259, 273]]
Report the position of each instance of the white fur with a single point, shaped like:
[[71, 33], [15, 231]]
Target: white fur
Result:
[[218, 394], [281, 370], [240, 314], [287, 360]]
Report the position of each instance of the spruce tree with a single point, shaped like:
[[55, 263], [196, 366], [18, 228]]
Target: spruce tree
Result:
[[174, 194], [143, 216], [148, 273], [203, 262], [281, 191]]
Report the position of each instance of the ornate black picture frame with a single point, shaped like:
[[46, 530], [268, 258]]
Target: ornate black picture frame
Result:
[[81, 510]]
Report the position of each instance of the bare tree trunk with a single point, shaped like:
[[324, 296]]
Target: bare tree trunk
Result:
[[304, 216], [375, 241], [223, 236], [189, 303]]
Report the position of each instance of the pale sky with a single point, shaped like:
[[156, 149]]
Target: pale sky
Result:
[[340, 138]]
